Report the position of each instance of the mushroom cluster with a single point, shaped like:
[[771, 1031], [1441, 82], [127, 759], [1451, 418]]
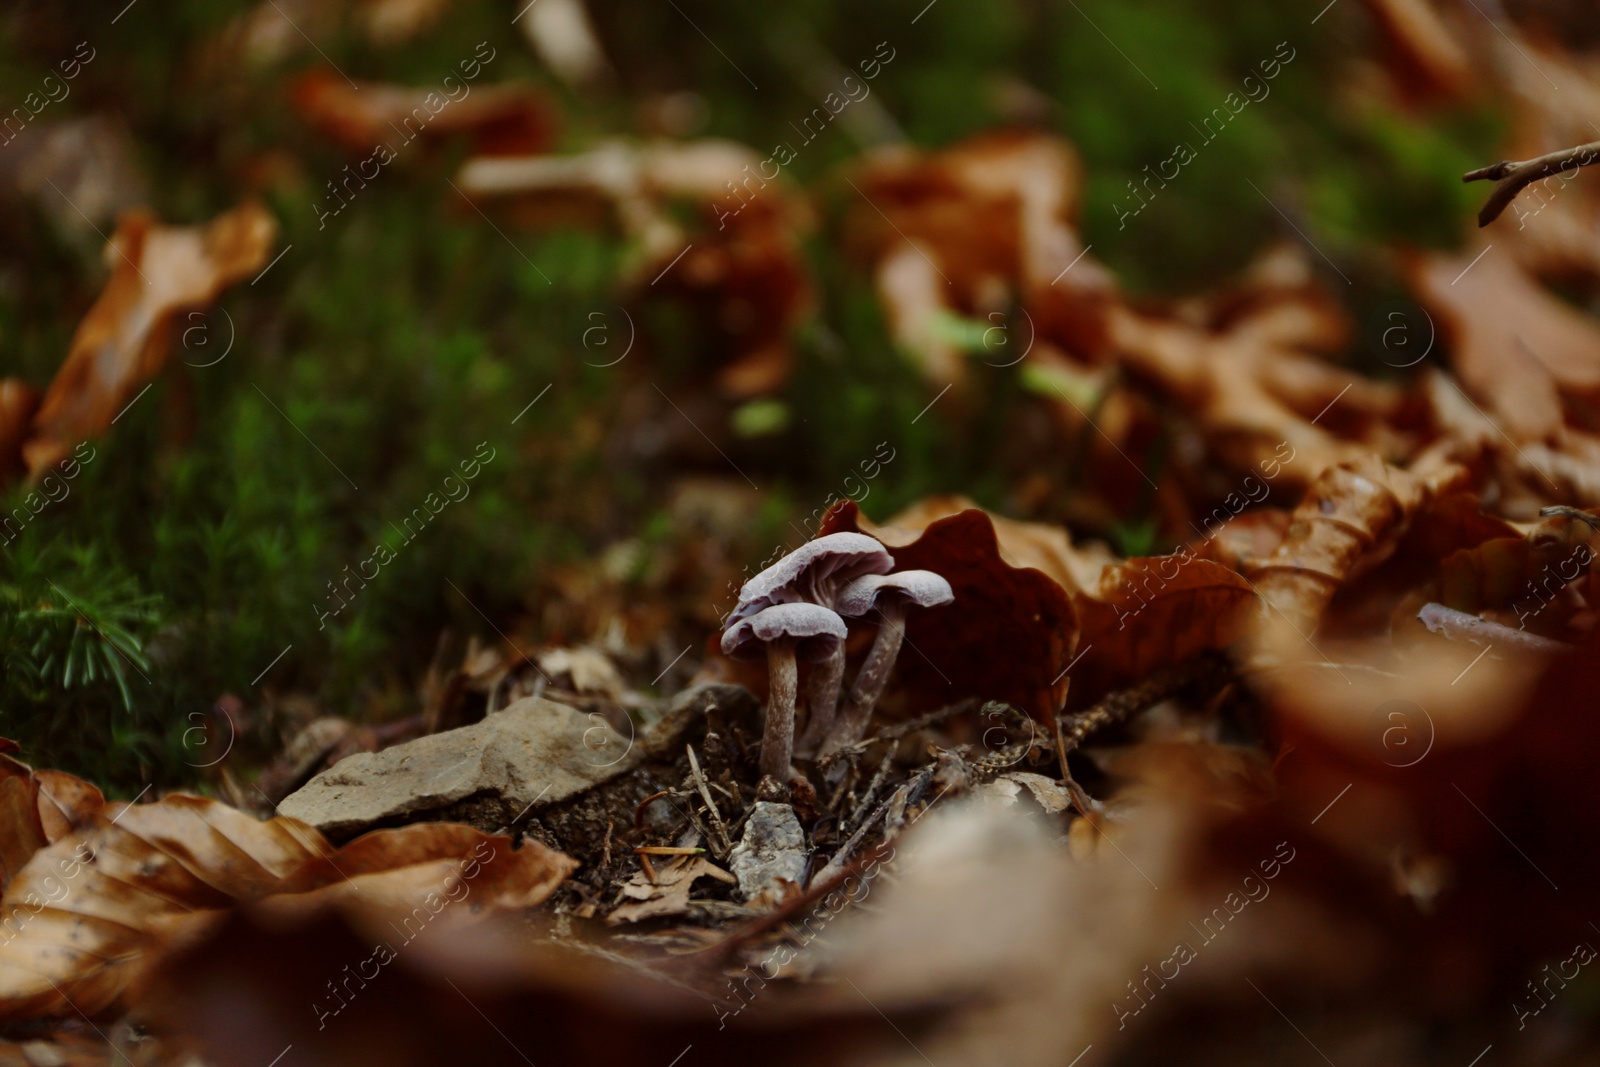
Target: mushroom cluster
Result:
[[794, 610]]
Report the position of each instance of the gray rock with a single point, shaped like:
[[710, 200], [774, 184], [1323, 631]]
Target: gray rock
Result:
[[531, 754], [771, 849]]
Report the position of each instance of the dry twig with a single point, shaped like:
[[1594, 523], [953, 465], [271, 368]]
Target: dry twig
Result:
[[1514, 176]]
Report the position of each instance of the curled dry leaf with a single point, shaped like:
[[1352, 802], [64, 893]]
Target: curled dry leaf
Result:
[[665, 894], [156, 272], [502, 120], [94, 911], [1350, 520], [1537, 577], [1007, 636], [37, 808]]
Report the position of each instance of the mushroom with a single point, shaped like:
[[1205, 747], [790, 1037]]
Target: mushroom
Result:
[[807, 631], [891, 595], [815, 573]]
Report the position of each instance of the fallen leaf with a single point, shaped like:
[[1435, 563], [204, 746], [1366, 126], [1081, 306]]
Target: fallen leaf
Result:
[[1350, 520], [1424, 56], [97, 909], [666, 894], [1150, 612], [1008, 635], [1517, 349], [1042, 546], [1256, 391], [18, 402], [156, 272], [967, 229], [503, 120], [36, 809]]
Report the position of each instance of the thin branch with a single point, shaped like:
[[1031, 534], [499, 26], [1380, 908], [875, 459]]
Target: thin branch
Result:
[[1514, 176], [1458, 625]]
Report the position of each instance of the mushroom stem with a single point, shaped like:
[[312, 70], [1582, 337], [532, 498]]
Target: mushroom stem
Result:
[[871, 678], [822, 700], [777, 742]]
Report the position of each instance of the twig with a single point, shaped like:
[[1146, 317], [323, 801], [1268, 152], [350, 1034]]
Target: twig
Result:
[[1454, 624], [899, 730], [1124, 704], [699, 779], [1514, 176], [872, 791]]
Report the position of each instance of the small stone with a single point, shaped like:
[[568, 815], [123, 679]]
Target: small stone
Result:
[[771, 852], [531, 754]]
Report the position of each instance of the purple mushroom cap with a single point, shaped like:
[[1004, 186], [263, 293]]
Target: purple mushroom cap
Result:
[[814, 572], [923, 589], [815, 630]]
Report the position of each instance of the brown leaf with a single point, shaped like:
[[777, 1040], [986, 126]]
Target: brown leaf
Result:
[[484, 996], [1007, 636], [665, 894], [36, 809], [1350, 518], [1149, 612], [96, 910], [1424, 55], [962, 228], [1038, 545], [1516, 348], [18, 402], [503, 120], [156, 272], [1252, 386]]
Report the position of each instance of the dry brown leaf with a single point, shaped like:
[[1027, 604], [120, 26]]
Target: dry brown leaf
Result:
[[485, 996], [36, 809], [973, 227], [1350, 521], [156, 272], [1254, 390], [1038, 545], [503, 119], [1425, 57], [18, 401], [97, 909], [1516, 348], [665, 894], [1150, 612], [1245, 537], [1007, 636]]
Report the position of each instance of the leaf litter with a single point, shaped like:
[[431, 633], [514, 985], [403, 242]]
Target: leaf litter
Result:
[[1105, 798]]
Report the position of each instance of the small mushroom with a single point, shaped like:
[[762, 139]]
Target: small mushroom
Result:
[[788, 631], [815, 573], [891, 595]]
